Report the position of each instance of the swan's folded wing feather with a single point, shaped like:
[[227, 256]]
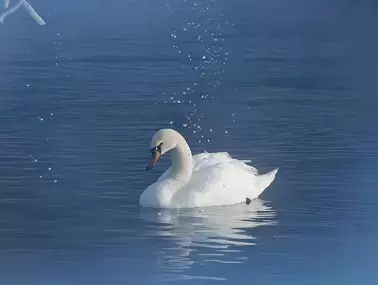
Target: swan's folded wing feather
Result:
[[204, 160], [216, 184], [217, 179], [208, 159]]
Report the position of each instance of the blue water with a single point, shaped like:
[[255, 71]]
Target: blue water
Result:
[[289, 84]]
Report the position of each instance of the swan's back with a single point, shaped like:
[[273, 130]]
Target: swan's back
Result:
[[218, 179], [206, 159]]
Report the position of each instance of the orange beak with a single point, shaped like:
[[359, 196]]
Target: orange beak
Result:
[[154, 159]]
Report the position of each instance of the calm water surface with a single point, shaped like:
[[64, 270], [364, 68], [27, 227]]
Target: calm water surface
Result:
[[289, 84]]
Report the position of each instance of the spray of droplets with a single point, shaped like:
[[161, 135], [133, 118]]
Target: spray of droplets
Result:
[[198, 41], [47, 170], [44, 167]]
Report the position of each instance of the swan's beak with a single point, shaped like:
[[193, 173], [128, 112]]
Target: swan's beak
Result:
[[154, 159]]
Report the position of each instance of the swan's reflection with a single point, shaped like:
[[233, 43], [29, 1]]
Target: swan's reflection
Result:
[[214, 234]]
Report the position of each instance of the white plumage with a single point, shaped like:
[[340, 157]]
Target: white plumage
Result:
[[206, 179]]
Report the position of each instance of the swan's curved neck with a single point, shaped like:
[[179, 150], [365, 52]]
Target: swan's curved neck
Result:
[[182, 161]]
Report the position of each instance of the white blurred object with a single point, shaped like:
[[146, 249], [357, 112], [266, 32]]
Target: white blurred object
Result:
[[27, 6]]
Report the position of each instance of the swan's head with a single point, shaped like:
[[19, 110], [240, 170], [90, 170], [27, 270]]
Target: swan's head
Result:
[[163, 141]]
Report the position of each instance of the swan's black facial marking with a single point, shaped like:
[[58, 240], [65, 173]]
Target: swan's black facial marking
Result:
[[155, 152], [156, 149], [248, 201]]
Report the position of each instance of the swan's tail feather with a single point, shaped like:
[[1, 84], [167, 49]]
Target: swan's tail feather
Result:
[[265, 180]]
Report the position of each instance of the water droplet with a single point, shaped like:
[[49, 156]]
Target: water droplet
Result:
[[55, 181], [49, 168], [35, 160]]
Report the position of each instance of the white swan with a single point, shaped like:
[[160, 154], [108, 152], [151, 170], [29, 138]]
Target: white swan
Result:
[[202, 180]]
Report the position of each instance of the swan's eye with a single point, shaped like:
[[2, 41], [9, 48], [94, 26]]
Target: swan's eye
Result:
[[156, 149]]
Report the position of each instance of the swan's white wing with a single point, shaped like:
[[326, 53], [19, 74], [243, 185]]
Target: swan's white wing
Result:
[[217, 180], [205, 159]]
